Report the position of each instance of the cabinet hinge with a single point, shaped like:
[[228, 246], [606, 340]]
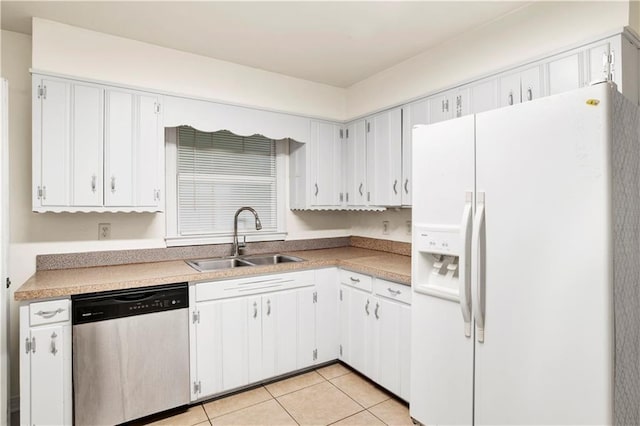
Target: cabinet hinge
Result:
[[197, 387], [156, 107], [8, 281], [340, 294], [42, 92], [340, 350], [612, 62], [39, 92], [196, 317], [39, 193], [315, 354], [315, 297], [30, 345], [341, 133]]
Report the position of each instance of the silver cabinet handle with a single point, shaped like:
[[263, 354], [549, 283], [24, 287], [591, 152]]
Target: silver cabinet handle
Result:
[[268, 307], [376, 310], [406, 186], [316, 194], [394, 292], [255, 309], [529, 94], [366, 307], [395, 186], [355, 280], [113, 184], [53, 349], [93, 183], [49, 314], [510, 98], [360, 189]]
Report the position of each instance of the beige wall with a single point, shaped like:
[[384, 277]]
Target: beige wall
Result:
[[75, 51], [523, 34]]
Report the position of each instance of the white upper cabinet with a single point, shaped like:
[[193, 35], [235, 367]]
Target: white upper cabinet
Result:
[[521, 86], [95, 148], [133, 149], [484, 95], [384, 137], [565, 73], [450, 104], [315, 168], [355, 167], [412, 114]]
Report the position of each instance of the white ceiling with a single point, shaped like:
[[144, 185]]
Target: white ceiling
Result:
[[336, 43]]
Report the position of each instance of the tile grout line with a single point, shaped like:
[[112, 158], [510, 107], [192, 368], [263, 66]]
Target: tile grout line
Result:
[[238, 409], [287, 411], [350, 415], [304, 387], [370, 412], [389, 396]]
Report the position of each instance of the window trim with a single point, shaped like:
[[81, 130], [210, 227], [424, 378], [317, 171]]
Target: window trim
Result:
[[173, 239]]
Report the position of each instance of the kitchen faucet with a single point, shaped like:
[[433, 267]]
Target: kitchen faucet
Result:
[[237, 246]]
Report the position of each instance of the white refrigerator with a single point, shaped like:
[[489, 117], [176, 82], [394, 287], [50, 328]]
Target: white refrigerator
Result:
[[526, 264]]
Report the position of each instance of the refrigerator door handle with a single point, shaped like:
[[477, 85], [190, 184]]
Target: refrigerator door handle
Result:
[[477, 280], [464, 264]]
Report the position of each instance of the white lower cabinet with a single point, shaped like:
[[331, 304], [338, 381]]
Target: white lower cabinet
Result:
[[45, 364], [375, 330], [247, 330]]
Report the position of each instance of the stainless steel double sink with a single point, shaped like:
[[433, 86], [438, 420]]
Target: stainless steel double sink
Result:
[[214, 264]]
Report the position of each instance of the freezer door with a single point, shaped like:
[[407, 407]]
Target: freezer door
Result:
[[547, 351], [441, 353]]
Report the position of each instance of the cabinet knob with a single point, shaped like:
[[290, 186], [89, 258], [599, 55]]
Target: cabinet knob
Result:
[[395, 186], [93, 183], [316, 185], [529, 94], [510, 98], [360, 189], [268, 307], [113, 184], [406, 186], [255, 309], [376, 310], [366, 307]]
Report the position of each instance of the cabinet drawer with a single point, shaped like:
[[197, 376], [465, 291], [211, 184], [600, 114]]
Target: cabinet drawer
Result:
[[49, 312], [391, 290], [355, 279], [222, 289]]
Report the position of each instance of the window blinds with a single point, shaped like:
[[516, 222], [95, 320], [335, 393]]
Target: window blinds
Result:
[[220, 172]]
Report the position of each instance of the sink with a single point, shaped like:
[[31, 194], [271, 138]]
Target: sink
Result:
[[271, 259], [204, 265]]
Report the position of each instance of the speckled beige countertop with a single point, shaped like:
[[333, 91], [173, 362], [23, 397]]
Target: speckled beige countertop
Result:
[[46, 284]]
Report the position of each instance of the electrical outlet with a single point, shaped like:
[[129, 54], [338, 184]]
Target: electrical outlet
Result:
[[104, 231], [408, 227], [385, 227]]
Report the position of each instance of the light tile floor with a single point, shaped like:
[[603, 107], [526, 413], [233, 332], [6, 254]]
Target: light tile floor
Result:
[[332, 395]]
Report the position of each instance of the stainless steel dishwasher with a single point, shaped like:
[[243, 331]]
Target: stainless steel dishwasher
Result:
[[130, 353]]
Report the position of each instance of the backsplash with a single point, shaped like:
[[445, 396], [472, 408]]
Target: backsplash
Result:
[[121, 257]]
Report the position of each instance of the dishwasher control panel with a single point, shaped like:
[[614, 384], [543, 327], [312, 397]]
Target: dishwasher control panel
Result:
[[125, 303]]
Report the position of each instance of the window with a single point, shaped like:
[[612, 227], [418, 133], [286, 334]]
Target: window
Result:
[[216, 173]]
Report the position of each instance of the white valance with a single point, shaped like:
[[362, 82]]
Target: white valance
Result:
[[212, 117]]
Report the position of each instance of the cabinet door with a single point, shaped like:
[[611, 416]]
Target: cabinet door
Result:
[[355, 168], [54, 142], [484, 96], [405, 352], [326, 164], [388, 330], [509, 90], [360, 311], [327, 305], [461, 104], [597, 62], [119, 148], [345, 322], [441, 107], [412, 115], [387, 153], [149, 158], [563, 74], [48, 370], [370, 167], [307, 347], [279, 333], [254, 340], [87, 120], [531, 83]]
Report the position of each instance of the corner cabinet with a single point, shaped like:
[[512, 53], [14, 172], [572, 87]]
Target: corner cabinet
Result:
[[45, 363], [375, 329], [95, 148]]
